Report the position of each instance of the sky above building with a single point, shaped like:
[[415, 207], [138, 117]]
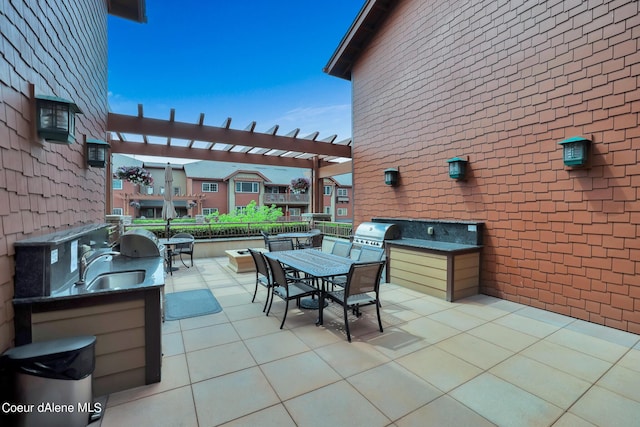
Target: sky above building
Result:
[[250, 60]]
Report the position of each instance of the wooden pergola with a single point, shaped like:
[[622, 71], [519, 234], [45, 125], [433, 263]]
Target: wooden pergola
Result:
[[169, 138]]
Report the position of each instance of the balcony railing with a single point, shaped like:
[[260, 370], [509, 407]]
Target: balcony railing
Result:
[[280, 198]]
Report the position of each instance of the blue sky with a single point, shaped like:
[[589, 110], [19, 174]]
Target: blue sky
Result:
[[249, 60]]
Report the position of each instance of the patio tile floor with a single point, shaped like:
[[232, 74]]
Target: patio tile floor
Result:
[[476, 362]]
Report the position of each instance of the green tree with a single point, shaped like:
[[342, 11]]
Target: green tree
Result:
[[252, 213]]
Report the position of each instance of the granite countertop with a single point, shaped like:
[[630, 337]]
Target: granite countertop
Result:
[[154, 278], [53, 239], [432, 244]]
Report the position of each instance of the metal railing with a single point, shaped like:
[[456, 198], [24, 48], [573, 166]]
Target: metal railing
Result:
[[244, 229], [335, 229]]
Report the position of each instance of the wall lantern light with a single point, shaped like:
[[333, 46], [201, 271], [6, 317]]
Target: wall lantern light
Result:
[[457, 168], [97, 152], [391, 176], [575, 151], [55, 119]]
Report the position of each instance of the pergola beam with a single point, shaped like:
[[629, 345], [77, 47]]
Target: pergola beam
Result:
[[200, 123], [172, 118], [162, 150], [333, 169], [144, 126], [294, 133]]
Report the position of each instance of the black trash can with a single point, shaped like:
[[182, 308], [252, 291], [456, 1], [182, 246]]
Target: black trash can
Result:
[[49, 383]]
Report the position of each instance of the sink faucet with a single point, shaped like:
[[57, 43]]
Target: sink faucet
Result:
[[85, 262]]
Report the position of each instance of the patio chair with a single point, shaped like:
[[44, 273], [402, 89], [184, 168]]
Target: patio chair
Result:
[[362, 288], [341, 248], [369, 254], [266, 237], [365, 254], [184, 248], [275, 245], [263, 277], [287, 287]]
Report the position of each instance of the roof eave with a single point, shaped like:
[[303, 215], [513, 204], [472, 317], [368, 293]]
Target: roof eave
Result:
[[366, 24], [134, 10]]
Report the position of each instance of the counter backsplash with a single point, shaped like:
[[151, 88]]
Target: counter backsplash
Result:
[[48, 262], [463, 232]]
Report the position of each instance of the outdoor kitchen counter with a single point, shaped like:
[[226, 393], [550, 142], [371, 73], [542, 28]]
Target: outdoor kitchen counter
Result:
[[434, 245], [127, 323], [442, 269], [154, 278]]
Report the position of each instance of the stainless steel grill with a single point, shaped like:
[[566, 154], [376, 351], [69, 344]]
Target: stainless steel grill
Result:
[[375, 233], [140, 243]]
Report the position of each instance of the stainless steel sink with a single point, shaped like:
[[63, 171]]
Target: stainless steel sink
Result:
[[117, 280]]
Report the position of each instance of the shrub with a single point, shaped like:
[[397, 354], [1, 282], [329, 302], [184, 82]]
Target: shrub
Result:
[[221, 230], [252, 213]]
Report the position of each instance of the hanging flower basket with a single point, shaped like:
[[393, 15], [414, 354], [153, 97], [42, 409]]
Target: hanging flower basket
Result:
[[299, 185], [134, 174]]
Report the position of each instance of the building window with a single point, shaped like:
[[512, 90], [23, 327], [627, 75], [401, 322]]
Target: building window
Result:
[[116, 184], [176, 191], [209, 211], [241, 209], [327, 210], [209, 187], [342, 211], [327, 190], [117, 211], [295, 212], [343, 192], [247, 187], [272, 190]]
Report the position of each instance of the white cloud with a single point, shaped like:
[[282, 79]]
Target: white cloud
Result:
[[328, 120]]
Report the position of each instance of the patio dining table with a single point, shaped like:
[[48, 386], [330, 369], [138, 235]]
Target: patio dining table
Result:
[[316, 264]]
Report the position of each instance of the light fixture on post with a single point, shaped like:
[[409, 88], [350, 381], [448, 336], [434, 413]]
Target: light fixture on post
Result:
[[457, 168], [576, 151], [55, 119], [96, 152], [391, 176]]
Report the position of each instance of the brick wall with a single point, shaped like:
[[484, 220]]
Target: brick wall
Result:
[[219, 199], [502, 83], [61, 47]]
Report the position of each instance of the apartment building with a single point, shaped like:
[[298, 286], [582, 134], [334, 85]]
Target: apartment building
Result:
[[205, 187], [338, 197]]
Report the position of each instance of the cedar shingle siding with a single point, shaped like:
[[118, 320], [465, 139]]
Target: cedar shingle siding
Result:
[[61, 47]]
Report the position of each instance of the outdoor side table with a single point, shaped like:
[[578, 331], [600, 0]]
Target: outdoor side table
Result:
[[170, 243]]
